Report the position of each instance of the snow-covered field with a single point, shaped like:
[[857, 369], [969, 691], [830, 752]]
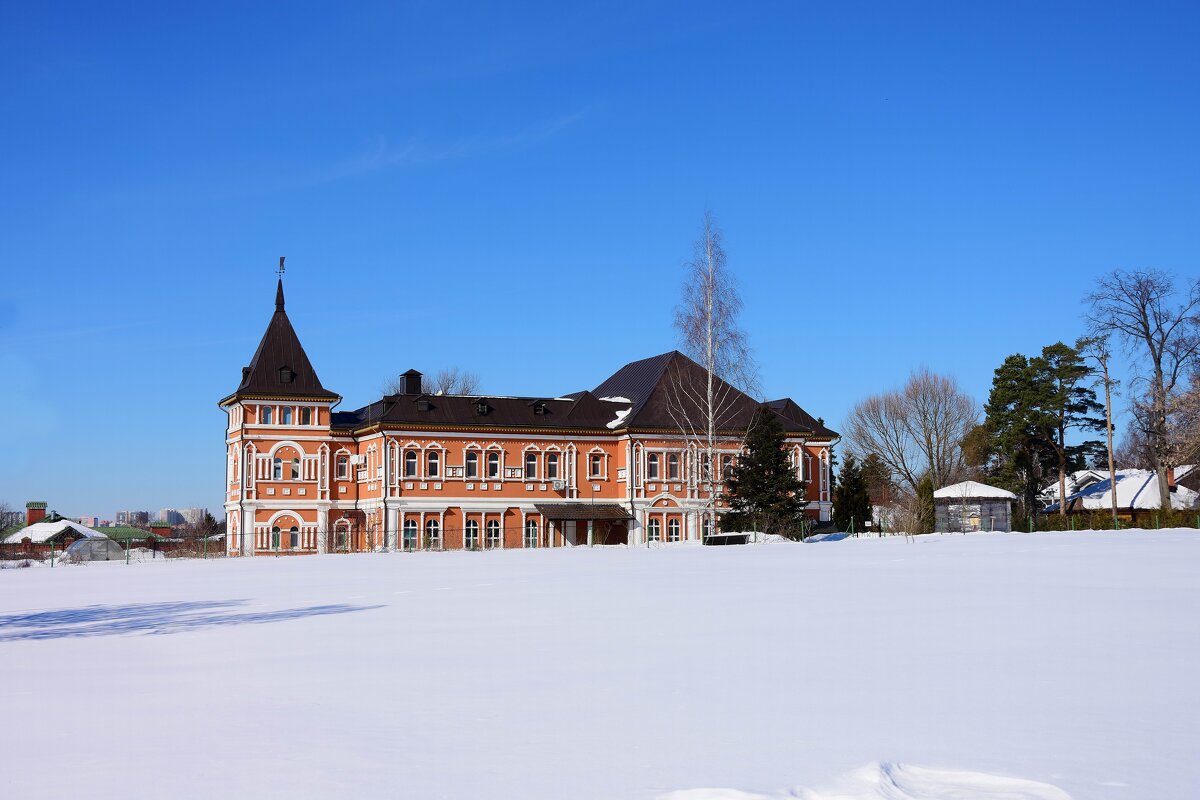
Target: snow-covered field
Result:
[[1022, 667]]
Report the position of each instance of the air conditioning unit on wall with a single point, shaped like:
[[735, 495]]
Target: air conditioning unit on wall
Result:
[[559, 485]]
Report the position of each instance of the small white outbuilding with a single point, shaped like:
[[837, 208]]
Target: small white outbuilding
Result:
[[973, 506]]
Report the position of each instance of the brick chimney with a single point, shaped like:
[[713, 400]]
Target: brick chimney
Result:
[[35, 511]]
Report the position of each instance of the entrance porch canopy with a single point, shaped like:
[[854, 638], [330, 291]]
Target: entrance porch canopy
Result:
[[567, 512]]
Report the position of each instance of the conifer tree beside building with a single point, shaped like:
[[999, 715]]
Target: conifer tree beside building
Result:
[[762, 489], [851, 497]]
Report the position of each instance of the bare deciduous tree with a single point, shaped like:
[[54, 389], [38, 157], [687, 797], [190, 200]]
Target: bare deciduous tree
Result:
[[454, 381], [917, 430], [1142, 308], [1096, 348], [703, 405], [451, 380]]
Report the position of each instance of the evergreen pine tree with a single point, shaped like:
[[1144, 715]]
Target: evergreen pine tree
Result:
[[851, 497], [926, 513], [762, 489]]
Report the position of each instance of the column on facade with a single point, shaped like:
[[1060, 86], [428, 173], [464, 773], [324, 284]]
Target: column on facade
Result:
[[393, 525], [322, 530]]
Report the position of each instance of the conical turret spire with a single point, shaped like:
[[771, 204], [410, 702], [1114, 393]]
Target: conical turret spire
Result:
[[279, 296]]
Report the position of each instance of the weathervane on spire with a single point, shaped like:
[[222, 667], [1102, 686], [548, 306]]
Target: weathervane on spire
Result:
[[281, 270]]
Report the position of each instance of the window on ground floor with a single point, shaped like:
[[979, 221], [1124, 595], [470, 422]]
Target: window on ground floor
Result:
[[433, 534], [294, 537], [471, 535], [673, 531], [654, 531], [275, 538], [493, 533], [531, 533], [410, 534]]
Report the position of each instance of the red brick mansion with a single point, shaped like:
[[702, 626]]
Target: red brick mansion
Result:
[[415, 470]]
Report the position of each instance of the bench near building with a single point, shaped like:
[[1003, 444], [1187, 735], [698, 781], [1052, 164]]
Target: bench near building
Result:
[[415, 470]]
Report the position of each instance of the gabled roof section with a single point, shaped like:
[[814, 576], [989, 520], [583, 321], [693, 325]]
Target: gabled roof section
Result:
[[664, 388], [280, 367], [789, 410]]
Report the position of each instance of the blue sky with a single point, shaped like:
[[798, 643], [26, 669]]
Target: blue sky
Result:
[[513, 191]]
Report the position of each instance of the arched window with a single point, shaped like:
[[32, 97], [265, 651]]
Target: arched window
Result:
[[410, 534], [277, 470], [673, 466], [552, 466], [341, 534], [410, 463], [285, 416], [493, 533], [706, 527], [726, 467], [531, 533], [343, 468], [595, 465], [266, 414], [294, 537], [472, 464], [654, 531], [471, 535], [433, 535], [531, 466], [433, 462], [306, 416], [295, 469], [652, 466], [275, 538], [673, 530], [493, 465]]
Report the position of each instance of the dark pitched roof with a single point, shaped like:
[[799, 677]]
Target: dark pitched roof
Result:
[[482, 411], [787, 409], [280, 367], [648, 390], [665, 387]]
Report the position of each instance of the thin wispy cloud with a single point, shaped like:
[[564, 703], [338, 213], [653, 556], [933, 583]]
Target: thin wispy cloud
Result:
[[384, 155]]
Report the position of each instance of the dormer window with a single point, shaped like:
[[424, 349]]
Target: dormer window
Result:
[[482, 408], [539, 408], [424, 405], [286, 375]]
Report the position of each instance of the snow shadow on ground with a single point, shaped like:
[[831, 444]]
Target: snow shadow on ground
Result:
[[149, 618]]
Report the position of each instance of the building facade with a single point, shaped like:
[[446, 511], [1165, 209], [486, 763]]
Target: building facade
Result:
[[621, 463]]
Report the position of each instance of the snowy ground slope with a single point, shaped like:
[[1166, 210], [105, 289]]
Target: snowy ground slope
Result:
[[1021, 665]]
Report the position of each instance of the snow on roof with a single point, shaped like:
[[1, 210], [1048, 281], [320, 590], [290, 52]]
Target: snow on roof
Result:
[[617, 399], [42, 532], [621, 415], [974, 489], [1136, 489]]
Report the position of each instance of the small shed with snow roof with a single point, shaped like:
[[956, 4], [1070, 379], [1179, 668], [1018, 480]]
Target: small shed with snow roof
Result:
[[973, 506]]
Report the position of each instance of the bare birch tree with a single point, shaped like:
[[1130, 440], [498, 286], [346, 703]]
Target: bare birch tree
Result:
[[917, 430], [704, 403], [1096, 348], [1141, 308]]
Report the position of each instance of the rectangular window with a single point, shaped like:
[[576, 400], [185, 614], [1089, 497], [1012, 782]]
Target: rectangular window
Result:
[[306, 416], [673, 466], [343, 468]]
